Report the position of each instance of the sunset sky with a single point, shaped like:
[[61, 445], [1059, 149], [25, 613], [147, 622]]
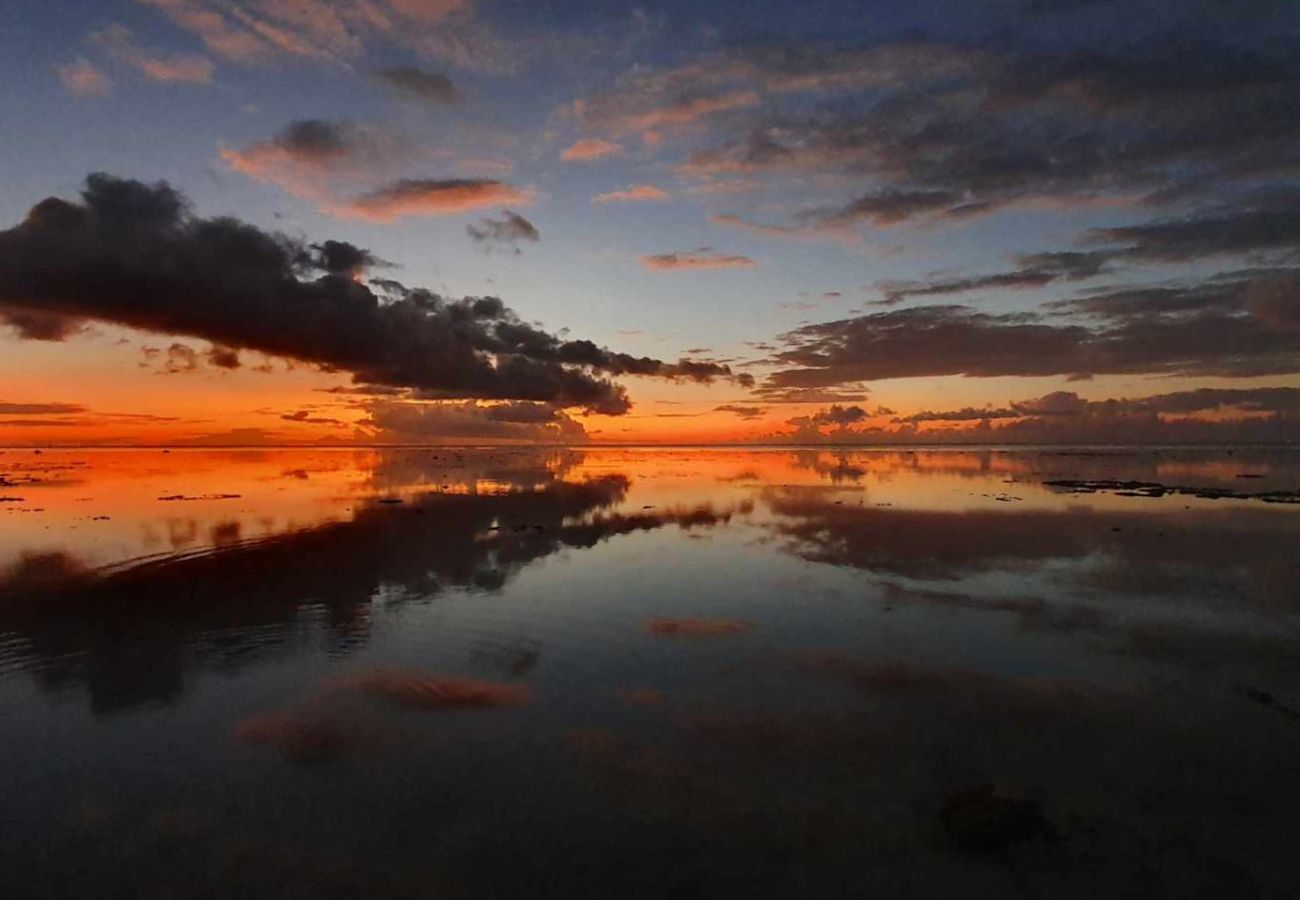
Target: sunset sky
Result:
[[405, 221]]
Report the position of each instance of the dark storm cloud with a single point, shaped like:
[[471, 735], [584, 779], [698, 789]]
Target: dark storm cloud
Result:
[[133, 254], [510, 229], [428, 87]]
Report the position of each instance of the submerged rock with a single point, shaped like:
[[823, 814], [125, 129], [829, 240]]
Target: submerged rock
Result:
[[303, 740], [664, 627], [415, 690], [980, 820]]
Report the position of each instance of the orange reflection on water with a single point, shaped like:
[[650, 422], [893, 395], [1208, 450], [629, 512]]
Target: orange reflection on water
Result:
[[105, 507]]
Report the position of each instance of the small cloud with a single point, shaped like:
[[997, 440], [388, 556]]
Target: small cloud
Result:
[[703, 258], [432, 197], [223, 357], [840, 416], [636, 192], [40, 409], [591, 149], [181, 358], [309, 154], [306, 418], [421, 691], [417, 84], [81, 78], [510, 229], [744, 412], [725, 186]]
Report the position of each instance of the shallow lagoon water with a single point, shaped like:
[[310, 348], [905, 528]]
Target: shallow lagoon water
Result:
[[671, 672]]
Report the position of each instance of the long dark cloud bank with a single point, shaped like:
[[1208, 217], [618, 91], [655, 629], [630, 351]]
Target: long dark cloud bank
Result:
[[959, 340], [133, 254]]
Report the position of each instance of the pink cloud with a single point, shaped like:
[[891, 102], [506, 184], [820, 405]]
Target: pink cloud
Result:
[[589, 149], [119, 43], [683, 112], [704, 258], [432, 197], [324, 29], [636, 192], [82, 78]]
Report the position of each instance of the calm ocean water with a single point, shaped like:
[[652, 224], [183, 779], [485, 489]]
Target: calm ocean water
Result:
[[664, 673]]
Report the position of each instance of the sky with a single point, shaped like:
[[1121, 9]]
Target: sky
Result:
[[460, 221]]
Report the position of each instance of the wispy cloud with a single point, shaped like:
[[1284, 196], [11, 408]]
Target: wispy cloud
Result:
[[509, 230], [703, 258], [591, 149], [83, 79], [417, 84], [119, 43], [314, 158], [335, 31], [632, 193]]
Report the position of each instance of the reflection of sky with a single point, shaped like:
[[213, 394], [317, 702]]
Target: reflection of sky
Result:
[[894, 633], [105, 507]]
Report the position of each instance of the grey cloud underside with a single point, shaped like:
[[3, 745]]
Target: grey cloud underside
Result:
[[133, 254], [510, 229], [1262, 225], [1034, 270], [742, 412], [417, 84], [317, 140]]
